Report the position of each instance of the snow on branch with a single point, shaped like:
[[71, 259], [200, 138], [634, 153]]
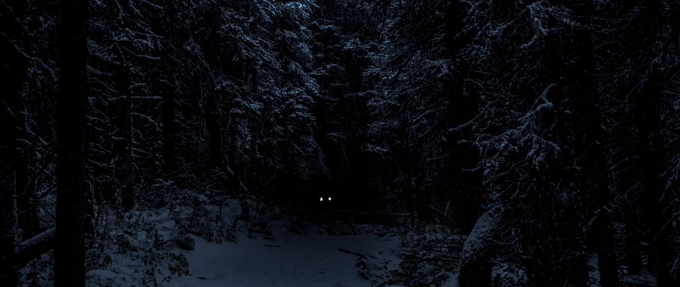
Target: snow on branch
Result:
[[538, 106], [34, 247], [526, 138], [35, 240]]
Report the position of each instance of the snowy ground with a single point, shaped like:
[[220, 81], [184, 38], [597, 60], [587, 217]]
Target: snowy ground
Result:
[[294, 260], [139, 250]]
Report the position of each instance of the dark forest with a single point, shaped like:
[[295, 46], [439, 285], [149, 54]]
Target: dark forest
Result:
[[540, 139]]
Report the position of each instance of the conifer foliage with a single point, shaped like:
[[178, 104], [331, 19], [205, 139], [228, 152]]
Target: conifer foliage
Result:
[[544, 131]]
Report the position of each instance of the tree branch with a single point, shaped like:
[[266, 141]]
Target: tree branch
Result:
[[34, 247]]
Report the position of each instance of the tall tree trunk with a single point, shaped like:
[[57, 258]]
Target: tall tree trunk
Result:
[[27, 209], [602, 236], [661, 245], [169, 157], [126, 134], [422, 198], [128, 192], [632, 239], [595, 177], [213, 123], [411, 197], [553, 237], [646, 42], [12, 71], [463, 101], [69, 261], [8, 275], [8, 146], [562, 258]]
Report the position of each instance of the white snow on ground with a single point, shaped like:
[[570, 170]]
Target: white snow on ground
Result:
[[306, 255], [288, 252], [292, 260]]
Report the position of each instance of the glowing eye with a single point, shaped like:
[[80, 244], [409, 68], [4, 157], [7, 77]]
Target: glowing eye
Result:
[[329, 199], [320, 198]]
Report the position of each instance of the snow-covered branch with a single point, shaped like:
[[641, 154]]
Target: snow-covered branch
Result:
[[34, 247]]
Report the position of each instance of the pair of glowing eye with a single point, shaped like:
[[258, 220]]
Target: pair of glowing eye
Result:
[[321, 199]]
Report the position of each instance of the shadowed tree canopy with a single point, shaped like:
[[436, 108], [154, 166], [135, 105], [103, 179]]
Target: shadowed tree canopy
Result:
[[541, 135]]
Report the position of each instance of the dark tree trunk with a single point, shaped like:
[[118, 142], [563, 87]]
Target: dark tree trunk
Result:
[[126, 134], [164, 84], [633, 246], [128, 192], [12, 72], [455, 23], [538, 237], [579, 262], [8, 274], [27, 209], [422, 199], [646, 24], [169, 157], [8, 146], [647, 101], [412, 203], [476, 273], [411, 197], [602, 236], [595, 177], [661, 246], [69, 261], [463, 100], [553, 239], [213, 124], [555, 225]]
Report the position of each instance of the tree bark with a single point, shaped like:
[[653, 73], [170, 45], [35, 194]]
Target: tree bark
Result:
[[128, 179], [8, 274], [661, 246], [595, 177], [27, 209], [125, 166], [213, 123], [69, 267], [8, 146], [463, 100], [561, 258], [169, 157], [422, 199], [633, 246], [602, 235], [646, 39], [12, 72]]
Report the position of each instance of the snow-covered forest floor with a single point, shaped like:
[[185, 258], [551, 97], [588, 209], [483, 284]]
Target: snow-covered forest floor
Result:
[[290, 260], [200, 245]]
